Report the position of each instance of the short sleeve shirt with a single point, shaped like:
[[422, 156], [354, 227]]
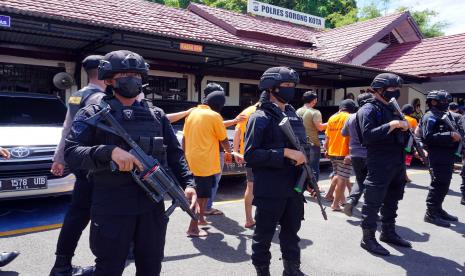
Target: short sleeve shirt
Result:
[[203, 130], [338, 144], [242, 125], [310, 118]]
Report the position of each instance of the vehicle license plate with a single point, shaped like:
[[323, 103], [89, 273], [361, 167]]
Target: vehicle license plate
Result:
[[23, 183]]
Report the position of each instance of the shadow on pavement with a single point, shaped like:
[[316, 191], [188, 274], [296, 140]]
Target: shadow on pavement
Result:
[[214, 246], [411, 235], [424, 264], [8, 273], [416, 186], [458, 227], [181, 257]]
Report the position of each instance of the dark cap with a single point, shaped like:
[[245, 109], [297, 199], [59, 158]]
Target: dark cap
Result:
[[91, 62], [309, 96], [453, 106], [407, 109], [348, 105]]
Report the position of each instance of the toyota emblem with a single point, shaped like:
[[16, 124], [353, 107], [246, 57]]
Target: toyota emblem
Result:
[[20, 152]]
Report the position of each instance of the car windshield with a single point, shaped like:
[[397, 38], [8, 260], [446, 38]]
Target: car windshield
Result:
[[31, 111]]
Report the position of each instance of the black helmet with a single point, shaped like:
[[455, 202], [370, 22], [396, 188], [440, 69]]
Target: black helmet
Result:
[[387, 80], [274, 76], [453, 106], [439, 95], [442, 97], [121, 61]]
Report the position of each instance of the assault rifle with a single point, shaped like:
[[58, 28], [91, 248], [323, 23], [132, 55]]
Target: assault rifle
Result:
[[154, 180], [448, 122], [307, 175], [416, 144]]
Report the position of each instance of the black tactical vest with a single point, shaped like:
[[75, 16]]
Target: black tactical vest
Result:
[[143, 124], [277, 138]]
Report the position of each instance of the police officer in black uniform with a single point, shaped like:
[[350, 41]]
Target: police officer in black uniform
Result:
[[442, 143], [78, 214], [269, 154], [121, 213], [384, 135]]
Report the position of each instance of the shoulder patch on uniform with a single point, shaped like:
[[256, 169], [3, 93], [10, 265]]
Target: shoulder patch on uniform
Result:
[[74, 100]]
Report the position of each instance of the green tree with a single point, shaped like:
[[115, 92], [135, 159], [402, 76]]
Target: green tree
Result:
[[157, 1], [369, 12]]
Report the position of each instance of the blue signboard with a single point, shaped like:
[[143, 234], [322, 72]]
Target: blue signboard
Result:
[[5, 21]]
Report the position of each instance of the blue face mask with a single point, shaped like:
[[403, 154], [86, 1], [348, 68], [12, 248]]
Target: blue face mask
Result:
[[284, 94]]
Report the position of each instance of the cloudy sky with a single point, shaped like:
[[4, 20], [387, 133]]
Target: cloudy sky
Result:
[[451, 11]]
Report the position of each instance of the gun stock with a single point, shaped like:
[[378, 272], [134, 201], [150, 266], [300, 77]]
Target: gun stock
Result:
[[156, 181], [448, 122], [416, 144], [307, 174]]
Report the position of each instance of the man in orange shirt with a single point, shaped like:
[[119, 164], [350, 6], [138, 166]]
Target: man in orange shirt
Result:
[[337, 147], [203, 131], [238, 144], [408, 110]]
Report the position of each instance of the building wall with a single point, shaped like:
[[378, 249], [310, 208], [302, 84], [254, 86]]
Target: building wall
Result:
[[369, 53], [69, 66]]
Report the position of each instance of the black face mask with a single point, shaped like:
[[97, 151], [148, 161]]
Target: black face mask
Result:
[[387, 95], [128, 87], [284, 94], [442, 106]]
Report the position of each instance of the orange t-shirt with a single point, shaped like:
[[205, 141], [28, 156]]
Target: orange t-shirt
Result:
[[412, 122], [203, 130], [242, 125], [338, 145]]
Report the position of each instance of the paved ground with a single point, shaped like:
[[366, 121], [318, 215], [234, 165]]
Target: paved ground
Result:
[[328, 247]]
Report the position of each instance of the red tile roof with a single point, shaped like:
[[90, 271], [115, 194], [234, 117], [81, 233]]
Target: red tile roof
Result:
[[144, 17], [423, 58], [339, 43], [254, 26], [150, 18]]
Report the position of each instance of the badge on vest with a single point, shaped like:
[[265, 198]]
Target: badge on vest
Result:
[[128, 114]]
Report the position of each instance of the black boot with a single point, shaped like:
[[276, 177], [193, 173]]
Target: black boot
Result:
[[370, 243], [349, 207], [262, 270], [389, 235], [63, 267], [7, 257], [432, 216], [446, 216], [292, 268]]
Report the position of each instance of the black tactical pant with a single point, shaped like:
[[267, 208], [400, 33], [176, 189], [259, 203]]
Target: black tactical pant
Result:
[[384, 187], [112, 235], [288, 213], [77, 217], [439, 184], [360, 168]]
